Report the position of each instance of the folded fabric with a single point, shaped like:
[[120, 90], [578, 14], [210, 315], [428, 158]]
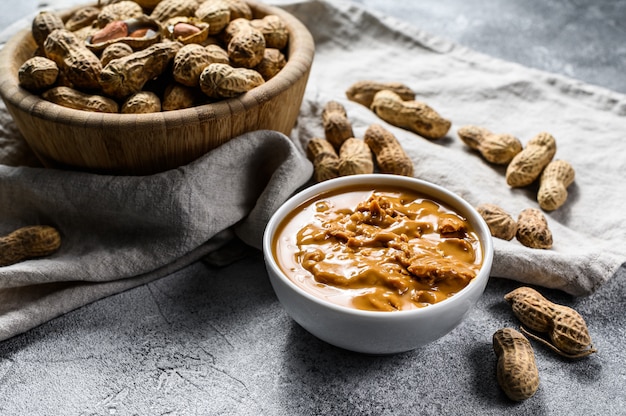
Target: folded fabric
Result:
[[122, 231]]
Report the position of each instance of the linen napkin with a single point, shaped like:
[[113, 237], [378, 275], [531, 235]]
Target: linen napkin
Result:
[[118, 235], [122, 231]]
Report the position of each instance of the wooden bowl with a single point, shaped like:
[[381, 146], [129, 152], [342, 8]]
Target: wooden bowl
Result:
[[139, 144]]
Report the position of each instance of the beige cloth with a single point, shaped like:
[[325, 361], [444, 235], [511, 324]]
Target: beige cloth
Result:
[[120, 232]]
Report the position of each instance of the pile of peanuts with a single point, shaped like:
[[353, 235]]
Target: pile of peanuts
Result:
[[524, 167], [147, 56], [340, 154]]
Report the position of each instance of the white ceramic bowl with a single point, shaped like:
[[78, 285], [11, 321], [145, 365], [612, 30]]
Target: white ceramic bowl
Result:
[[376, 332]]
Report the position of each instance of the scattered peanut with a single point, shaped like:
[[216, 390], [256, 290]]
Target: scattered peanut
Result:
[[38, 73], [516, 370], [553, 183], [81, 66], [500, 223], [533, 230], [27, 243], [317, 146], [325, 160], [71, 98], [138, 33], [363, 92], [337, 127], [527, 165], [412, 115], [495, 148], [355, 157], [565, 327], [390, 155]]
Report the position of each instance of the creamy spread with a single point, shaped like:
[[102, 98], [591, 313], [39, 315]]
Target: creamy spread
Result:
[[384, 250]]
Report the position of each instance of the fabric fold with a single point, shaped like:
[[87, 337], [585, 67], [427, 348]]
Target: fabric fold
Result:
[[122, 231]]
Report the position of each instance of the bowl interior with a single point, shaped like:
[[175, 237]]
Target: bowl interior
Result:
[[150, 143], [431, 190]]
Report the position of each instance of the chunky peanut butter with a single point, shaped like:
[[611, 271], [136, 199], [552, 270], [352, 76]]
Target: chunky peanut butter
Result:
[[383, 250]]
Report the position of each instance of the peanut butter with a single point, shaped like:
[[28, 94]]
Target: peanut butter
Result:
[[383, 250]]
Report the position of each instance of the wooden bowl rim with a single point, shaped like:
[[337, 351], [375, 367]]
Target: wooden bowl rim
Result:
[[301, 52]]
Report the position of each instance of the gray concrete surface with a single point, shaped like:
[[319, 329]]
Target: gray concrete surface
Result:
[[585, 40], [214, 341]]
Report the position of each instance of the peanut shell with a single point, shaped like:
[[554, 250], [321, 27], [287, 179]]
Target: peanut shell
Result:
[[127, 75], [81, 66], [557, 176], [527, 165], [532, 229], [216, 13], [516, 369], [114, 51], [271, 64], [178, 97], [167, 9], [495, 148], [390, 156], [273, 29], [363, 92], [78, 100], [43, 24], [141, 103], [222, 80], [415, 116], [83, 17], [500, 223], [239, 9], [355, 157], [38, 73], [337, 127], [27, 243]]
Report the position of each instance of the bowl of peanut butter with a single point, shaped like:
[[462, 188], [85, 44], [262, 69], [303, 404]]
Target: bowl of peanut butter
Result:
[[379, 263]]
